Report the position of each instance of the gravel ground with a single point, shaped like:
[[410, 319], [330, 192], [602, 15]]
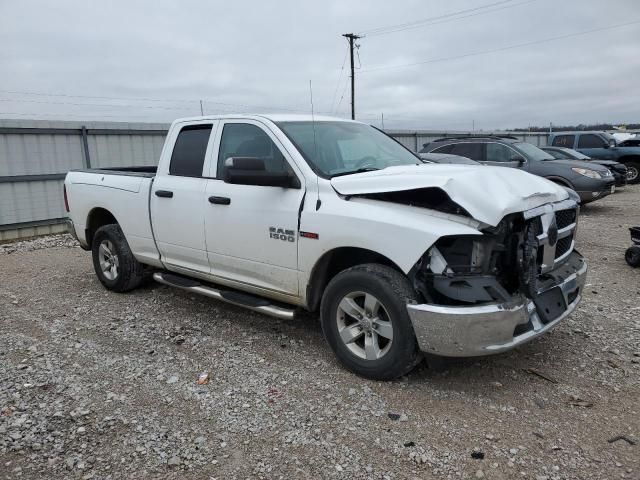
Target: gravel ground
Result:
[[101, 385]]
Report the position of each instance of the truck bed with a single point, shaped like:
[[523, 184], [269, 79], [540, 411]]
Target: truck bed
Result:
[[124, 193]]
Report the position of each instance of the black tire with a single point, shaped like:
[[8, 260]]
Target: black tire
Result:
[[393, 292], [633, 172], [632, 256], [130, 272]]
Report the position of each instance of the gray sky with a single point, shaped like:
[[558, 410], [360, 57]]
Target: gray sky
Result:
[[160, 57]]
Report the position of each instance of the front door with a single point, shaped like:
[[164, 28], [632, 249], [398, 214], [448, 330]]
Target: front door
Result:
[[252, 231]]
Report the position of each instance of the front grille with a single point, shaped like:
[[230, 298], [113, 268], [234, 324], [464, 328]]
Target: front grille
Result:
[[563, 245], [554, 231], [564, 218]]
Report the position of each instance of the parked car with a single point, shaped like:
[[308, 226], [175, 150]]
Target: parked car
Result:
[[447, 158], [281, 213], [618, 170], [603, 146], [589, 180]]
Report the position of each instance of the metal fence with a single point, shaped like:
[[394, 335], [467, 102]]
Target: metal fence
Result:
[[35, 156]]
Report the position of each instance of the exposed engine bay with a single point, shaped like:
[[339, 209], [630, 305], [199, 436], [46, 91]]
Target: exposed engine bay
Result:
[[517, 257]]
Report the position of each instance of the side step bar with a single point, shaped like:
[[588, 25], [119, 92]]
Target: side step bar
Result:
[[240, 299]]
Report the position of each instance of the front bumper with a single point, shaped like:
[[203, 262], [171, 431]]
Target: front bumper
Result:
[[597, 191], [459, 331]]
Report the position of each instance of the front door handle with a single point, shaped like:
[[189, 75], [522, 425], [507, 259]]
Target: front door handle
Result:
[[219, 200], [164, 193]]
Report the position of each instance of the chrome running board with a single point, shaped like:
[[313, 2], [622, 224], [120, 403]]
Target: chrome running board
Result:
[[257, 304]]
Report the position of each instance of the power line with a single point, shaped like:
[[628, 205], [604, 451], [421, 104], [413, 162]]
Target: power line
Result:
[[508, 47], [446, 17], [24, 100], [147, 99], [335, 93]]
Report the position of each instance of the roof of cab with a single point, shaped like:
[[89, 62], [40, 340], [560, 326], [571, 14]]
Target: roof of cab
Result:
[[276, 117]]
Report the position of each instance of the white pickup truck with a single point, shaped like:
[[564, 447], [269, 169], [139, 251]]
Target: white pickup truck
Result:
[[278, 213]]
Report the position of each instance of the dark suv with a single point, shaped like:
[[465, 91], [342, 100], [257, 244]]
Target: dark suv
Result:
[[590, 181]]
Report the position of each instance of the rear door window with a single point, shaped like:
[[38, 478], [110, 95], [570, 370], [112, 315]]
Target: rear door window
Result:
[[469, 150], [187, 159], [591, 141], [445, 149], [496, 152], [564, 141]]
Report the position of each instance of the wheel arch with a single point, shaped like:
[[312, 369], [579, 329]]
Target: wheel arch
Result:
[[335, 261], [629, 158], [98, 217], [560, 180]]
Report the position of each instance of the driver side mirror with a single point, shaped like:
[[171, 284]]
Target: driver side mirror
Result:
[[252, 171], [521, 161]]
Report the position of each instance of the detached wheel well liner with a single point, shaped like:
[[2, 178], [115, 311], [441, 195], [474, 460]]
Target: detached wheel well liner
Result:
[[335, 261], [98, 217]]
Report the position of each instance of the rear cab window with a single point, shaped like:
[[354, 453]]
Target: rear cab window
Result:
[[189, 151]]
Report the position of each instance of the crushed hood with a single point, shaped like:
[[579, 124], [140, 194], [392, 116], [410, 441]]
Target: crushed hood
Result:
[[487, 193]]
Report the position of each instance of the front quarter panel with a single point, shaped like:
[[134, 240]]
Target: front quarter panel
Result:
[[399, 232]]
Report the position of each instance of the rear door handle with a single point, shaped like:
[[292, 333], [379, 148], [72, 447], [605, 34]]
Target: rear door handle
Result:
[[164, 193], [220, 200]]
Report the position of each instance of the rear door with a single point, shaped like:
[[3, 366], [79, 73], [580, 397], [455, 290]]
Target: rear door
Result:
[[178, 198], [472, 150], [501, 155], [252, 231]]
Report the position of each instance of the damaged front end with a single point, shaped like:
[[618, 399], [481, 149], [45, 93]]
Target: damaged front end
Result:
[[487, 294]]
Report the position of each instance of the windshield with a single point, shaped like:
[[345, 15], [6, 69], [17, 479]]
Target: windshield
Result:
[[532, 152], [340, 148], [576, 155]]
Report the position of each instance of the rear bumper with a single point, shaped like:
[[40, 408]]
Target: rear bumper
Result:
[[72, 230], [493, 328]]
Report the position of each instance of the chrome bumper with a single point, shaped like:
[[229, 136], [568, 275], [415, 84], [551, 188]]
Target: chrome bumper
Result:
[[487, 329], [72, 230]]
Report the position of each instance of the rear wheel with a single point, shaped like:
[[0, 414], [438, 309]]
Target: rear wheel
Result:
[[633, 172], [365, 321], [114, 263], [632, 256]]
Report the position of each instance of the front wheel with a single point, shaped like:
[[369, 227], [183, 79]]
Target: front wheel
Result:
[[633, 172], [365, 321], [114, 263]]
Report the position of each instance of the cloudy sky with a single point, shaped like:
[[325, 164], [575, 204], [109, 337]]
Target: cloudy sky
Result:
[[497, 64]]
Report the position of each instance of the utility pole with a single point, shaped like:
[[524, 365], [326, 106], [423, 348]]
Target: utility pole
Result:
[[201, 109], [352, 38]]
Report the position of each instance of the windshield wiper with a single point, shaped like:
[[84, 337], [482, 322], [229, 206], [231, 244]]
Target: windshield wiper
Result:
[[358, 170]]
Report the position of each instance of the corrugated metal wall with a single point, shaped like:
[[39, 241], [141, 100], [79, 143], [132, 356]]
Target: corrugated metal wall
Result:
[[35, 155]]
